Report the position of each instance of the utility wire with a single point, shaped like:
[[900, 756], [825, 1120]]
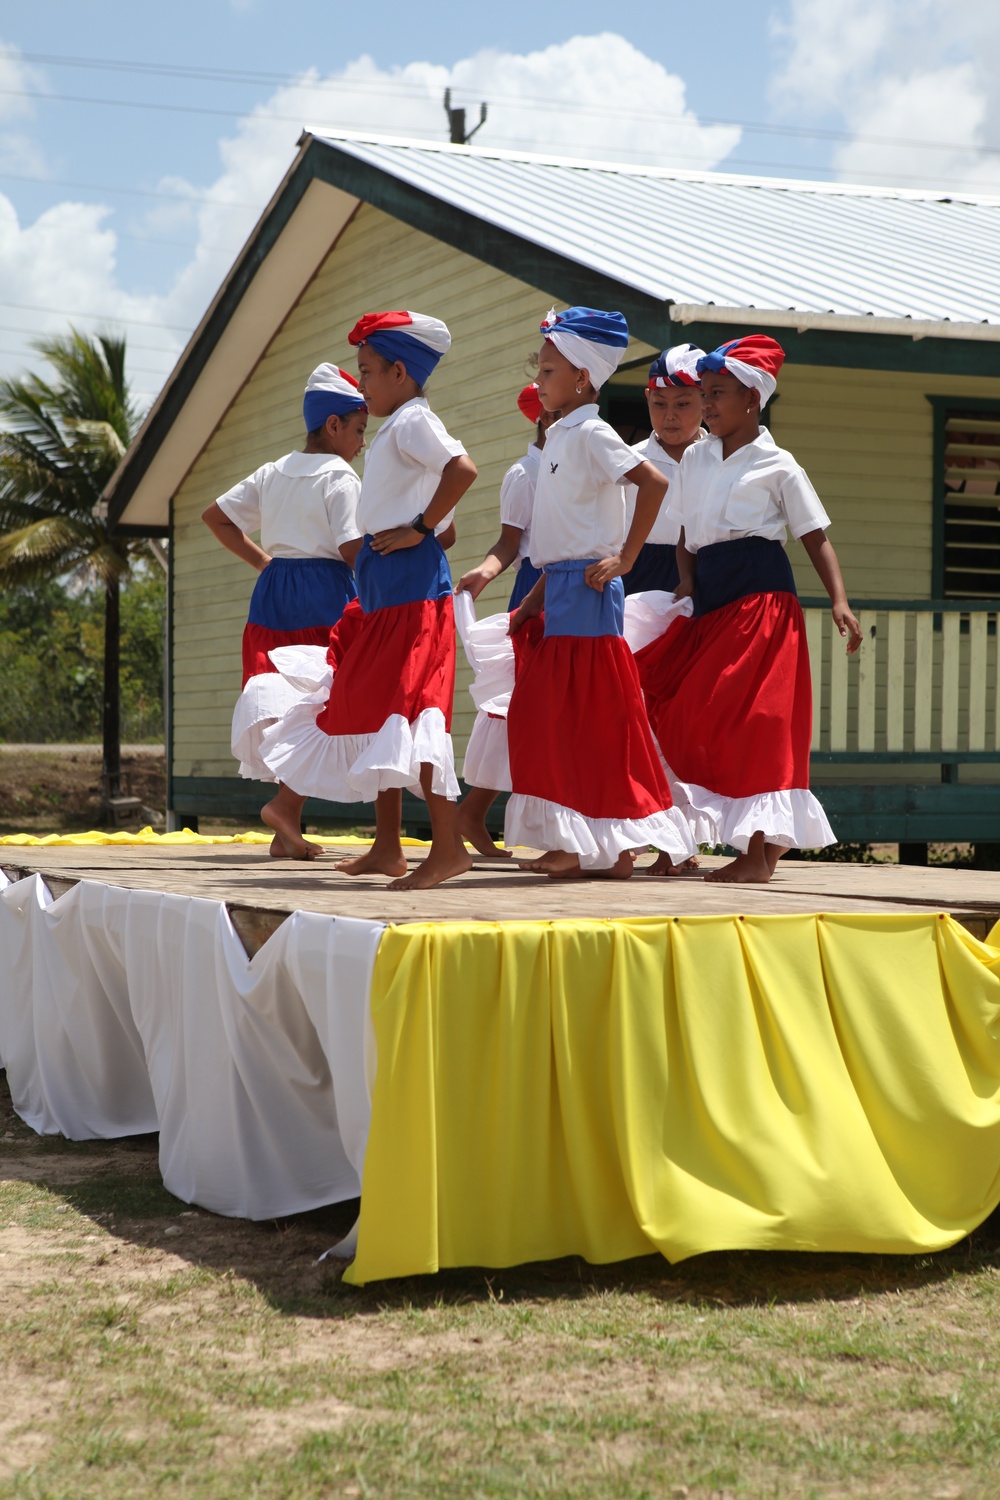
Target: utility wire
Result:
[[391, 87]]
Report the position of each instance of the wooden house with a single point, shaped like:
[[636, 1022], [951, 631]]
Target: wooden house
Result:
[[887, 304]]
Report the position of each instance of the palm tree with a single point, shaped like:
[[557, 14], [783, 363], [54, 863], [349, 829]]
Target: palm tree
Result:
[[60, 442]]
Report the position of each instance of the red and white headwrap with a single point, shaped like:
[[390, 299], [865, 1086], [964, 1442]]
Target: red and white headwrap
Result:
[[755, 361], [529, 405], [676, 366]]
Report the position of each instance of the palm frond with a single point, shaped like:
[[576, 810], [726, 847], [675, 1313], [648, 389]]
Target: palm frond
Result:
[[54, 544]]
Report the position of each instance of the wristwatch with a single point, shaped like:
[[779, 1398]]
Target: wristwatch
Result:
[[418, 525]]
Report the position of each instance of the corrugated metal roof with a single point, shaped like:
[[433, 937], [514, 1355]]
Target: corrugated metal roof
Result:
[[715, 239]]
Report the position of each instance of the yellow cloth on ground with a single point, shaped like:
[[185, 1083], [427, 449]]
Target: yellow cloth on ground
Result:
[[608, 1089], [181, 836]]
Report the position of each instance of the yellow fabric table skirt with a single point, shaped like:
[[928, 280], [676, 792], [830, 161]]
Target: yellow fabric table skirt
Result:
[[609, 1089]]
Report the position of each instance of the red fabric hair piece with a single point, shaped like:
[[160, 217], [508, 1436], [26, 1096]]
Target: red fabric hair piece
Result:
[[376, 322], [529, 405]]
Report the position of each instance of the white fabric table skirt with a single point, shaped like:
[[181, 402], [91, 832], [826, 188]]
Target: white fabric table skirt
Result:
[[129, 1011]]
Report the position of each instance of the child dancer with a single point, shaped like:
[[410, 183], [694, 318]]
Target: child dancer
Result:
[[486, 769], [386, 723], [673, 396], [588, 786], [304, 507], [728, 691]]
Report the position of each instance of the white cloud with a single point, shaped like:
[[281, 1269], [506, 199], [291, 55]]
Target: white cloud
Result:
[[577, 98], [914, 81]]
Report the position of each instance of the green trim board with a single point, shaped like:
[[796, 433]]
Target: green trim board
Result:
[[886, 813], [231, 797], [892, 814]]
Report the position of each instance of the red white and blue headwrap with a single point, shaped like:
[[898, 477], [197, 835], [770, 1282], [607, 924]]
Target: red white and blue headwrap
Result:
[[414, 339], [755, 361], [591, 340], [676, 366], [330, 392], [529, 404]]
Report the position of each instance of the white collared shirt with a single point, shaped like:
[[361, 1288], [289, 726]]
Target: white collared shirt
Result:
[[579, 499], [517, 496], [403, 468], [757, 491], [666, 531], [304, 505]]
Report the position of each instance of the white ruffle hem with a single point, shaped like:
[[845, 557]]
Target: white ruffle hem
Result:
[[356, 767], [791, 819], [265, 699], [487, 763], [647, 616], [535, 823], [490, 652]]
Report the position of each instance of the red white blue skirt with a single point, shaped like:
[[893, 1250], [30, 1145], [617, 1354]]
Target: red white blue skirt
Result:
[[382, 709], [295, 602], [729, 697], [585, 772]]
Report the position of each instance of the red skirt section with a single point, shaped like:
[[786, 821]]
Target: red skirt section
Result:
[[576, 729], [258, 640], [397, 660], [729, 696]]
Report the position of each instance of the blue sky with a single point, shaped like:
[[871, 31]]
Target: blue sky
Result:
[[121, 209]]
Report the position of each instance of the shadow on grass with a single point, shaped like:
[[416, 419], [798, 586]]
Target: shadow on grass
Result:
[[117, 1186]]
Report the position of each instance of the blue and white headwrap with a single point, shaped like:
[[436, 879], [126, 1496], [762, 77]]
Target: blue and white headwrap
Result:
[[676, 366], [330, 392], [414, 339], [591, 340]]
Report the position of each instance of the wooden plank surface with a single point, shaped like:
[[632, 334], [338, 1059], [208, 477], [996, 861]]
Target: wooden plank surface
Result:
[[246, 879]]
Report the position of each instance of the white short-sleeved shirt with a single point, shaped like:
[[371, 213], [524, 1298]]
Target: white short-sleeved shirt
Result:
[[580, 498], [666, 531], [517, 497], [403, 468], [304, 505], [757, 491]]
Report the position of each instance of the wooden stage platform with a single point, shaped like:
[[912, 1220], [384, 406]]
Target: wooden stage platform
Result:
[[261, 892]]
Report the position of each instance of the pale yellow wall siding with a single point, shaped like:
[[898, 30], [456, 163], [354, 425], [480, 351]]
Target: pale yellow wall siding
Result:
[[376, 263]]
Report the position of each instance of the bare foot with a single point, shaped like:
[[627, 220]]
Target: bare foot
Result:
[[378, 860], [568, 867], [745, 869], [436, 868], [664, 865], [277, 848], [287, 830], [474, 832], [542, 864]]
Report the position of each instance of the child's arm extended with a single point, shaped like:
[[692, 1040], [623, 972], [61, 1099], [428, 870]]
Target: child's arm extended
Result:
[[651, 486], [824, 560], [230, 535], [500, 556], [456, 477]]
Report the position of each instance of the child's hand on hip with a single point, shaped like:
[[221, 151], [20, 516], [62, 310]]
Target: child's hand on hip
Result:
[[600, 573], [395, 539]]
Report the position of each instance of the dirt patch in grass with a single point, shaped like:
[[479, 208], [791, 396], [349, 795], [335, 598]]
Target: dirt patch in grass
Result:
[[222, 1359], [47, 792]]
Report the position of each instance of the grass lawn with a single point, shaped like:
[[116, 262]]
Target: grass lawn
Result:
[[149, 1349]]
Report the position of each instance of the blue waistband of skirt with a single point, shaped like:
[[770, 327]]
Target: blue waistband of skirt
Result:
[[525, 580], [727, 571], [572, 607], [403, 577], [294, 593]]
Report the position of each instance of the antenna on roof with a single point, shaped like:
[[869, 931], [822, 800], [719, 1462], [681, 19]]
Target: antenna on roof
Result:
[[456, 121]]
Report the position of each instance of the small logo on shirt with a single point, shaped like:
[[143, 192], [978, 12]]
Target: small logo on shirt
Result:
[[553, 468]]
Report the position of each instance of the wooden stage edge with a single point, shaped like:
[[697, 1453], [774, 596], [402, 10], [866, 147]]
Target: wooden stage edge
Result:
[[260, 892]]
